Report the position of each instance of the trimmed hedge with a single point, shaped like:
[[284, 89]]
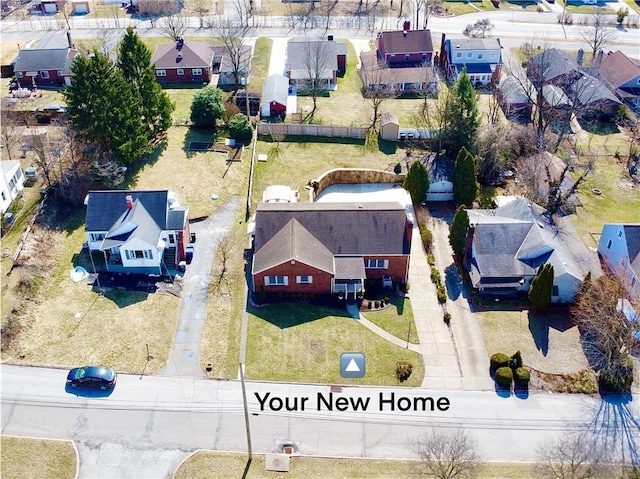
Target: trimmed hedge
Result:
[[499, 360], [504, 376], [516, 360], [441, 292], [522, 376]]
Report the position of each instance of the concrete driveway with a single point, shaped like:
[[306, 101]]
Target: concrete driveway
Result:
[[455, 357]]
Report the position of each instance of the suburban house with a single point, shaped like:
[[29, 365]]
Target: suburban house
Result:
[[623, 75], [482, 58], [619, 249], [557, 104], [156, 7], [274, 97], [514, 96], [507, 245], [48, 6], [80, 7], [594, 98], [187, 62], [144, 232], [11, 184], [404, 48], [45, 66], [553, 66], [329, 248], [408, 79], [308, 60]]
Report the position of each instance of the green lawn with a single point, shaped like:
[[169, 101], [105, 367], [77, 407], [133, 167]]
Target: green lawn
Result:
[[303, 343], [23, 458], [260, 64], [395, 319]]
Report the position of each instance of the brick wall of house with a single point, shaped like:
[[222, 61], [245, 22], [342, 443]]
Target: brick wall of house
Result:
[[398, 268], [54, 78], [321, 279], [173, 77]]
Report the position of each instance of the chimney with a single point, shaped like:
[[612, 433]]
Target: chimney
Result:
[[406, 26], [69, 42], [129, 199]]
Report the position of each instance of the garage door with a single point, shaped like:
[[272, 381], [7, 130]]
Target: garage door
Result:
[[80, 8], [50, 7]]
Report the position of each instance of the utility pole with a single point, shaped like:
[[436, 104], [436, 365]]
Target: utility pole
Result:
[[246, 412]]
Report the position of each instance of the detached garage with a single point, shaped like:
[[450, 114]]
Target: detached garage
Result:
[[80, 7], [274, 97]]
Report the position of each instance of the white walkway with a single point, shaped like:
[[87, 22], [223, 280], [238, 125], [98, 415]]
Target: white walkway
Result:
[[276, 67]]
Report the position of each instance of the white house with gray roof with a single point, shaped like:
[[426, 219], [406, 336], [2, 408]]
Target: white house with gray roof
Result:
[[509, 243], [11, 184], [144, 232]]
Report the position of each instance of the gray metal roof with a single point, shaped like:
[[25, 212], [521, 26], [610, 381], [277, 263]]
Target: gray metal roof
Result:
[[343, 228]]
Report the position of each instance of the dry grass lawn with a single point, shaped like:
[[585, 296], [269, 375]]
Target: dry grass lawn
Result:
[[36, 458], [231, 466], [547, 341]]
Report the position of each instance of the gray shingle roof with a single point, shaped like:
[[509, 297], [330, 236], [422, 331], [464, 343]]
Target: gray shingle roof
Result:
[[191, 55], [292, 243], [632, 235], [554, 63], [33, 59], [412, 41], [589, 90], [104, 208], [349, 267], [133, 223], [303, 56], [276, 88], [343, 228]]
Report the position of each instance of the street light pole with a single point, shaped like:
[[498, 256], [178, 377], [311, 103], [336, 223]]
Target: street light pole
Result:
[[246, 412]]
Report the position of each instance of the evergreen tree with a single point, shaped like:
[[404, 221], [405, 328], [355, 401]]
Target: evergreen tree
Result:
[[458, 231], [465, 186], [417, 182], [104, 108], [463, 117], [134, 61], [206, 107], [542, 287]]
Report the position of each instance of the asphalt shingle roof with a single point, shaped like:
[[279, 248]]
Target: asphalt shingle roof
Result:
[[133, 223], [632, 235], [191, 55], [104, 208], [33, 59], [276, 88], [411, 41]]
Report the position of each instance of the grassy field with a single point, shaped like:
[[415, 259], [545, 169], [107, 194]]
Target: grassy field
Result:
[[302, 343], [395, 319], [260, 64], [548, 342], [36, 458], [231, 466]]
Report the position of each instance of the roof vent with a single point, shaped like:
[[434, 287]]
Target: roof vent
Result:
[[179, 58]]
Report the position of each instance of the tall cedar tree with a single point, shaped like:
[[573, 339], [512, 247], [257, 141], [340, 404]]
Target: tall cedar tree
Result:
[[465, 186], [458, 231], [417, 182], [542, 287], [463, 116], [134, 61], [104, 108], [207, 108]]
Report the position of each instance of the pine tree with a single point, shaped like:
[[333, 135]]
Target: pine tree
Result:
[[463, 117], [134, 61], [417, 182], [206, 107], [542, 287], [465, 186], [458, 231]]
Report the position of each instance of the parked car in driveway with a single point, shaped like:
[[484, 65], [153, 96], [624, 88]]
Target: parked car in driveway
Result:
[[94, 377]]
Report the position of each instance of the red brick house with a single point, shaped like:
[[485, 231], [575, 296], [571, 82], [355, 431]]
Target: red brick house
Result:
[[184, 62], [402, 48], [326, 248], [45, 66]]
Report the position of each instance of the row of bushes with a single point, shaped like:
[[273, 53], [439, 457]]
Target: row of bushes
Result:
[[441, 290], [508, 369]]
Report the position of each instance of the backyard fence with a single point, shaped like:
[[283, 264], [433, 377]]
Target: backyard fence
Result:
[[287, 129]]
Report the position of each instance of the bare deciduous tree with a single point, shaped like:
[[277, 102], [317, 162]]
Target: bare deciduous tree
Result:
[[317, 63], [448, 455], [573, 456], [481, 28], [379, 85], [598, 32], [200, 8], [174, 25], [234, 40], [242, 10]]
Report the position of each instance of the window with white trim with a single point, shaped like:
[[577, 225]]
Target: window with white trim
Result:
[[197, 71], [469, 54], [620, 234], [376, 263], [44, 74], [97, 236], [304, 279], [138, 254], [180, 71], [20, 75], [161, 73], [59, 73], [276, 280], [458, 55], [480, 56]]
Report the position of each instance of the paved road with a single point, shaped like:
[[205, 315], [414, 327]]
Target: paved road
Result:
[[184, 359], [146, 418]]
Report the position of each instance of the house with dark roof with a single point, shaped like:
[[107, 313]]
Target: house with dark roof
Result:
[[508, 244], [553, 66], [405, 48], [623, 75], [308, 60], [275, 93], [594, 98], [47, 65], [514, 96], [329, 248], [482, 58], [144, 232], [408, 79], [619, 250], [187, 62]]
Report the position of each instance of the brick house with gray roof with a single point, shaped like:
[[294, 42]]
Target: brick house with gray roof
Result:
[[48, 65], [326, 248], [144, 232]]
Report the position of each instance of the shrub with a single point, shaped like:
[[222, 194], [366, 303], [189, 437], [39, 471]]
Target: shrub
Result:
[[521, 376], [368, 304], [240, 127], [442, 294], [403, 370], [447, 317], [617, 381], [377, 304], [499, 360], [397, 169], [435, 276], [504, 376], [427, 238], [386, 300], [516, 361], [431, 259]]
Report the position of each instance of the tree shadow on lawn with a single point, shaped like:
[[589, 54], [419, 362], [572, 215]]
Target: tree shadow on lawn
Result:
[[541, 322], [58, 215], [287, 315], [135, 167]]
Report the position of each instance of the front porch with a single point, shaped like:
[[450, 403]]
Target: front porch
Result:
[[348, 288]]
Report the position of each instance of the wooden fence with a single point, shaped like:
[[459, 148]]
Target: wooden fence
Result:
[[295, 129]]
